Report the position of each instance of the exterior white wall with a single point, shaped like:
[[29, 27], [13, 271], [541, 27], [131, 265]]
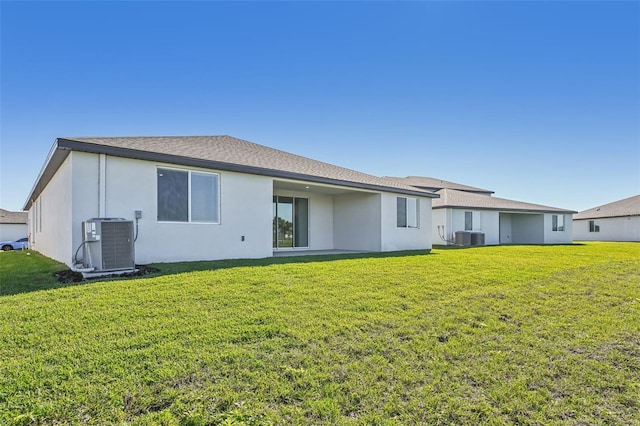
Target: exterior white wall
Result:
[[320, 219], [85, 189], [50, 215], [505, 228], [490, 221], [246, 209], [439, 219], [558, 237], [356, 221], [394, 238], [611, 229], [485, 221], [89, 185], [528, 228], [13, 231]]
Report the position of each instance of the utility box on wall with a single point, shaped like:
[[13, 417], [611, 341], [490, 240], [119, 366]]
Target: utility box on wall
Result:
[[108, 244]]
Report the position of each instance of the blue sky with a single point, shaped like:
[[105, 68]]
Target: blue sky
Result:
[[538, 101]]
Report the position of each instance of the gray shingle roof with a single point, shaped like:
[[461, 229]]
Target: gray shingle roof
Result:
[[621, 208], [7, 216], [434, 184], [460, 199], [221, 153]]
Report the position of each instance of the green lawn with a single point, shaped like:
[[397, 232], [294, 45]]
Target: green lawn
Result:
[[490, 335]]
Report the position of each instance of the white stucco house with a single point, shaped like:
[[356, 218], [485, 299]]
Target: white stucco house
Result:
[[617, 221], [467, 209], [218, 197], [13, 225]]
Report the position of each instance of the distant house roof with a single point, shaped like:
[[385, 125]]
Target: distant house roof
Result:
[[451, 198], [220, 153], [626, 207], [7, 216], [433, 184]]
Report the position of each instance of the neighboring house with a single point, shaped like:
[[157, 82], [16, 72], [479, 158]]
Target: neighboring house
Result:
[[433, 184], [498, 220], [13, 225], [617, 221], [218, 197]]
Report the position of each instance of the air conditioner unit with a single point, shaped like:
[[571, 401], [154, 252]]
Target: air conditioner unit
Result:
[[463, 238], [108, 244]]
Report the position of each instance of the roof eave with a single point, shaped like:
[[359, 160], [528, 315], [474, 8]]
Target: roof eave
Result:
[[63, 146], [512, 210], [472, 191], [607, 217], [55, 158]]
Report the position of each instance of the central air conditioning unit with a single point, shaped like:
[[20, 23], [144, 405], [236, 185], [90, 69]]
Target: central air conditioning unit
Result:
[[463, 238], [108, 245]]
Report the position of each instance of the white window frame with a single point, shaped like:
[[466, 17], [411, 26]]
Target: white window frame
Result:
[[416, 209], [556, 225], [594, 226], [470, 214], [189, 172]]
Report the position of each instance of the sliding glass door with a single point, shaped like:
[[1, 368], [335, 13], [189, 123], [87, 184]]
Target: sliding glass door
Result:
[[290, 222]]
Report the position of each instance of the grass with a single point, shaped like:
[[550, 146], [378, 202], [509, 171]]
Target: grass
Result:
[[22, 271], [491, 335]]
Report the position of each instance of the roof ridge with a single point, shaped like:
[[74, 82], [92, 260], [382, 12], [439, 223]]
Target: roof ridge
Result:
[[221, 152], [390, 183]]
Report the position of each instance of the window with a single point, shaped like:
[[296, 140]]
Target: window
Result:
[[468, 221], [557, 222], [593, 226], [407, 212], [185, 196]]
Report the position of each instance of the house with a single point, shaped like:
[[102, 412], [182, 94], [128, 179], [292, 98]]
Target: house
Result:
[[463, 208], [218, 197], [13, 225], [617, 221]]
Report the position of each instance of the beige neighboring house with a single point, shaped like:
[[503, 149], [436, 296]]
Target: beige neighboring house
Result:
[[13, 225], [617, 221], [213, 197], [462, 210]]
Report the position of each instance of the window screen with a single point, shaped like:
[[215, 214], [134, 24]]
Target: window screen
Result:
[[173, 195], [557, 222], [407, 212], [204, 197], [468, 221], [402, 212]]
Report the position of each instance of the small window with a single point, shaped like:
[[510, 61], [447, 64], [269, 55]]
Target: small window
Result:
[[468, 221], [185, 196], [557, 222], [407, 212], [593, 226]]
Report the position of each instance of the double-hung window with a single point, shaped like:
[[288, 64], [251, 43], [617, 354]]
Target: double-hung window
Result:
[[188, 196], [407, 212], [593, 226], [557, 222]]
